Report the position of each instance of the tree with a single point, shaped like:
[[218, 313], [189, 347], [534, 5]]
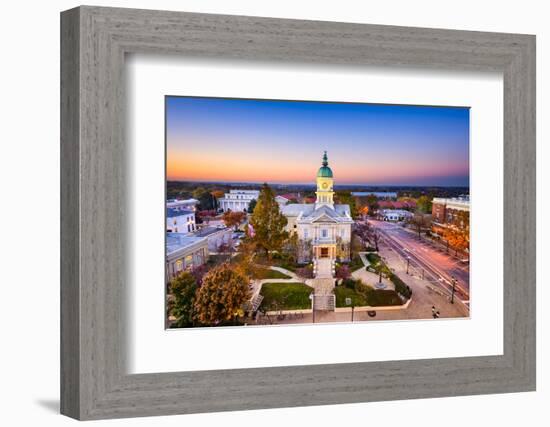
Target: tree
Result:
[[420, 222], [345, 197], [457, 239], [245, 264], [251, 206], [183, 289], [268, 222], [233, 219], [424, 204], [206, 200], [372, 204], [343, 272], [221, 297], [356, 244], [292, 247], [217, 194], [342, 249]]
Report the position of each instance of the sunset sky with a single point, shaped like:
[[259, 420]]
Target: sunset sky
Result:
[[238, 140]]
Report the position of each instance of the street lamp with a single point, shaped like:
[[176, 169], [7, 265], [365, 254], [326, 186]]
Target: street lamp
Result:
[[349, 302], [453, 292], [408, 262], [312, 298]]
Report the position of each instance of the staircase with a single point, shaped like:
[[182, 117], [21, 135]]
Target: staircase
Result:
[[255, 302], [324, 302]]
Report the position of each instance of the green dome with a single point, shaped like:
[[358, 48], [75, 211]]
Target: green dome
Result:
[[324, 171]]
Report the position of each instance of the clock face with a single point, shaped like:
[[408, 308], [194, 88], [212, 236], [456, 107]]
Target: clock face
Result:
[[325, 185]]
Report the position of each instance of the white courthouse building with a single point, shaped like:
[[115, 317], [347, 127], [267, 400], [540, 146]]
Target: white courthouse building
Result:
[[238, 200], [323, 227]]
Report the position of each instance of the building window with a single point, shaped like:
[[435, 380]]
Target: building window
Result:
[[324, 232], [306, 234], [189, 262]]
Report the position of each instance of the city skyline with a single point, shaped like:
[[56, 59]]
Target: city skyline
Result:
[[281, 142]]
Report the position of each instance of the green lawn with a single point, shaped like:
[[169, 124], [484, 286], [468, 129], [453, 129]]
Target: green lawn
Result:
[[374, 298], [267, 273], [285, 296], [342, 293], [356, 263]]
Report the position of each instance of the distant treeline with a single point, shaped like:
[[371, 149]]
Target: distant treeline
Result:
[[185, 189]]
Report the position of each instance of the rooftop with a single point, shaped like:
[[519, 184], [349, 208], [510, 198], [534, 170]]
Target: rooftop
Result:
[[207, 231], [175, 202], [464, 199], [172, 212], [177, 241], [308, 209]]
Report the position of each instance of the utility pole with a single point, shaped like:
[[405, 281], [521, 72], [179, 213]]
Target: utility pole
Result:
[[408, 262]]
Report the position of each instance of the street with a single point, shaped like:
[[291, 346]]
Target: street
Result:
[[424, 259]]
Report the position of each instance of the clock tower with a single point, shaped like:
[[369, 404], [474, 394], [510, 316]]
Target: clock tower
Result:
[[325, 192]]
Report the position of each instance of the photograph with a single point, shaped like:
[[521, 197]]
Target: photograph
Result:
[[282, 212]]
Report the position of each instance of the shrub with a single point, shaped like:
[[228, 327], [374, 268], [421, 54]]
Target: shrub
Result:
[[349, 283], [384, 297], [400, 286], [305, 272], [343, 272]]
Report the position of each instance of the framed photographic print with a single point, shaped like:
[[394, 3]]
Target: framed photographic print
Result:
[[283, 213]]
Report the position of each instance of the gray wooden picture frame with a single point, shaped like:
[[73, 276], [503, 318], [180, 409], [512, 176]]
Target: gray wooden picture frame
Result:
[[94, 41]]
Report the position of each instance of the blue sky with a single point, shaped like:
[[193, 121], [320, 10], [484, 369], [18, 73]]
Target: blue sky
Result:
[[245, 140]]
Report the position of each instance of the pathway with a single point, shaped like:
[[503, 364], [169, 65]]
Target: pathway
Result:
[[324, 268], [369, 278]]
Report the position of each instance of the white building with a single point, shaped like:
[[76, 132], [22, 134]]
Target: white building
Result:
[[179, 220], [323, 228], [395, 214], [187, 204], [238, 200], [184, 252]]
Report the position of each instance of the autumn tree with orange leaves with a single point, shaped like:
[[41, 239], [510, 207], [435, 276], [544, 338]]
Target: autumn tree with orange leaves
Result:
[[221, 297], [233, 219]]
